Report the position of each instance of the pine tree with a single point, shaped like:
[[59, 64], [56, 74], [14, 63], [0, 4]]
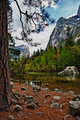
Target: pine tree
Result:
[[4, 58]]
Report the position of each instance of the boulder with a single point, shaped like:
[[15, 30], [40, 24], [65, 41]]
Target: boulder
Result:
[[69, 71], [74, 107], [17, 108]]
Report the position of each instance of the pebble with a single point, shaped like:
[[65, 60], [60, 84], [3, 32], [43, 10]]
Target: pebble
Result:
[[36, 89], [10, 117], [38, 104], [47, 96], [56, 97], [40, 113], [47, 84], [52, 101], [23, 88], [17, 108], [45, 101], [71, 92], [30, 113], [45, 89], [17, 94], [30, 106], [11, 85], [54, 105], [29, 99], [56, 90]]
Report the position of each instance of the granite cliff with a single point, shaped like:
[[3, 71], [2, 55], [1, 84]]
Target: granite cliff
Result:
[[59, 33]]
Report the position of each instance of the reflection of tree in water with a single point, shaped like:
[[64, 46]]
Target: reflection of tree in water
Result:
[[34, 76]]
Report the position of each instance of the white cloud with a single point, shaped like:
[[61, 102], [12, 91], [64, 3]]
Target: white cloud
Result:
[[49, 3], [42, 37]]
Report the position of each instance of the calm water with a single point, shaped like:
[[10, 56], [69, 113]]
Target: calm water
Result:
[[54, 82]]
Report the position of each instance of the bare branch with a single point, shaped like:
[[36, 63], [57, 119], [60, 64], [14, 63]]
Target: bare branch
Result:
[[38, 18]]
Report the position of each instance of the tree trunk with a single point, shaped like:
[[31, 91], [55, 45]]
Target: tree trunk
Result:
[[4, 58]]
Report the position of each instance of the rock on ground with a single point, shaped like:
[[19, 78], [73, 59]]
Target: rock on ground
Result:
[[10, 117], [74, 107], [23, 88], [17, 108], [30, 106], [29, 99], [56, 97], [54, 105]]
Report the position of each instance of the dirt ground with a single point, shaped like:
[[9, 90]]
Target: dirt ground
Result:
[[42, 112]]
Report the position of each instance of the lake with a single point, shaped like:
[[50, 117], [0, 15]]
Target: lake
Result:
[[53, 82]]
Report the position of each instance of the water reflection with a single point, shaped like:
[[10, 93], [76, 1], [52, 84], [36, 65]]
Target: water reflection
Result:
[[54, 82]]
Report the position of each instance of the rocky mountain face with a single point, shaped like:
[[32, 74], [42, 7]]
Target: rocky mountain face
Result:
[[24, 50], [59, 33]]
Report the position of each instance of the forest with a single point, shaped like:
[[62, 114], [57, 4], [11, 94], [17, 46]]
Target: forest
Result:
[[52, 60]]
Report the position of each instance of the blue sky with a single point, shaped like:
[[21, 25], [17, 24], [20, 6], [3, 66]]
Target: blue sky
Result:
[[64, 8]]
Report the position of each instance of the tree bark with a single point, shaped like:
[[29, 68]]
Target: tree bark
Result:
[[4, 58]]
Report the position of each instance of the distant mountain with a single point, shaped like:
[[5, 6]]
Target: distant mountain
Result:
[[59, 33], [19, 51], [24, 50]]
